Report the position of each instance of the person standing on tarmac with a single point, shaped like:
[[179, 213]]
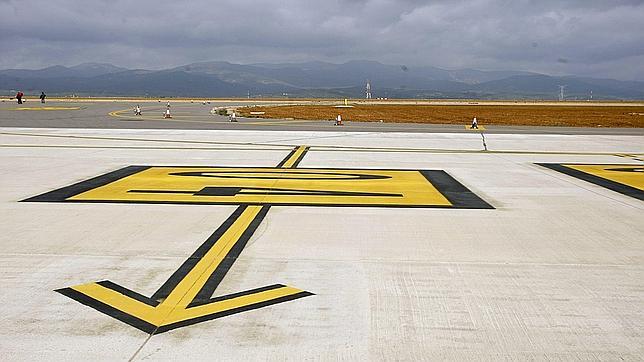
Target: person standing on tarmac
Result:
[[137, 110], [475, 124], [42, 97], [19, 96]]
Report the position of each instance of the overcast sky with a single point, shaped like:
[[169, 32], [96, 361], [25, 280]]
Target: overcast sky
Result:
[[580, 37]]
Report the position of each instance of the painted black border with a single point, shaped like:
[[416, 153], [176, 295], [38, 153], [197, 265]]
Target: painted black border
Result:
[[238, 294], [455, 192], [246, 308], [290, 154], [152, 329], [299, 159], [108, 310], [459, 195], [609, 184], [128, 293], [61, 194]]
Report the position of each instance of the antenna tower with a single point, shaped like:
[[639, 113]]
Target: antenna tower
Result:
[[561, 92]]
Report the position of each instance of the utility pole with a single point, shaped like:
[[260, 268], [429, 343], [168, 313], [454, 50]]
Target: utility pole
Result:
[[368, 89]]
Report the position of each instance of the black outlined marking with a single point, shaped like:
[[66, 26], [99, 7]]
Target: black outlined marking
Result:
[[108, 310], [459, 195], [190, 263], [60, 195], [600, 181], [242, 224]]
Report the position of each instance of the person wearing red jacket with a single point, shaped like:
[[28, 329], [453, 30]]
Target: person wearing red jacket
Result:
[[19, 96]]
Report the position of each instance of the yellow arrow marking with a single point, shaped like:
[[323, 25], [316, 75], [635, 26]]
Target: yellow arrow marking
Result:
[[185, 298]]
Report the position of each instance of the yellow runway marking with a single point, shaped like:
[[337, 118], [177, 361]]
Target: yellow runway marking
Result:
[[284, 185], [176, 307], [45, 109], [629, 175], [186, 298], [275, 186], [294, 157], [469, 128], [627, 179]]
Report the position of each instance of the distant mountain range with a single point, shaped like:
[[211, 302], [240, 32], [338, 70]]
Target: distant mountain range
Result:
[[310, 79]]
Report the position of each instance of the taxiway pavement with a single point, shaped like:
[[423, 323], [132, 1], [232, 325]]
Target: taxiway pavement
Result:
[[553, 270]]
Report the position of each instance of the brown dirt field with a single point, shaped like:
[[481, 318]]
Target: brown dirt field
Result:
[[526, 115]]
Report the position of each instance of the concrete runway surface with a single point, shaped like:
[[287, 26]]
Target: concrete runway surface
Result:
[[124, 242]]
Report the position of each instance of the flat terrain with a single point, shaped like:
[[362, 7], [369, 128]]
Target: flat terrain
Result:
[[510, 115], [200, 239], [117, 114]]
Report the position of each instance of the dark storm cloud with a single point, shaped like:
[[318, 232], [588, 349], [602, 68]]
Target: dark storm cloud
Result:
[[599, 38]]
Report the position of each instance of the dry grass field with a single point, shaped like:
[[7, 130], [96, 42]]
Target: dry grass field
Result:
[[530, 115]]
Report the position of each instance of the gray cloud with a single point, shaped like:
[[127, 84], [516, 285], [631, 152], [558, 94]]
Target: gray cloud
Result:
[[598, 38]]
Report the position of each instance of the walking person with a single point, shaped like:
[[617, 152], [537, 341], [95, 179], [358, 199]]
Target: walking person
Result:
[[19, 96], [475, 124], [137, 110], [42, 97], [338, 120], [233, 117]]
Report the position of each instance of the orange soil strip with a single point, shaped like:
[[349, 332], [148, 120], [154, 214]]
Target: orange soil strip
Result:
[[532, 115]]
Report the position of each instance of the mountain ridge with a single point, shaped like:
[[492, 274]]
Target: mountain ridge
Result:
[[312, 79]]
